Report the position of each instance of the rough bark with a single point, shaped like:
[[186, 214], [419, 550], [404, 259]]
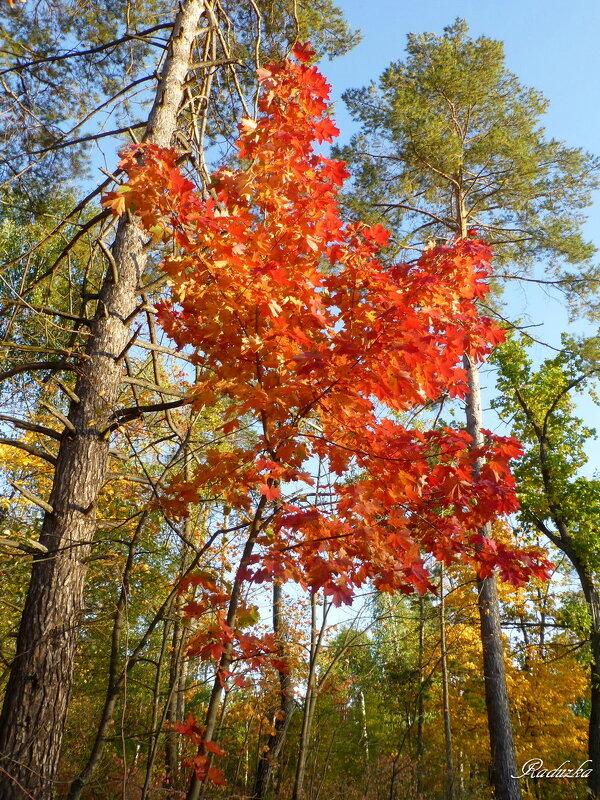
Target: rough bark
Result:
[[37, 694], [594, 726], [504, 764]]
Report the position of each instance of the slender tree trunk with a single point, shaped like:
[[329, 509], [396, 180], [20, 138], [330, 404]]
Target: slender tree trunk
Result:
[[176, 705], [504, 763], [364, 734], [446, 695], [214, 703], [309, 705], [267, 760], [37, 695], [113, 683], [325, 767], [526, 641], [421, 699], [156, 723]]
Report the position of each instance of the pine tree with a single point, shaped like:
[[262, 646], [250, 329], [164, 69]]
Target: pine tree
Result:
[[450, 141]]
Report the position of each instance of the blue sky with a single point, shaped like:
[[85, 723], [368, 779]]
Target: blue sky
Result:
[[550, 46], [547, 47], [549, 50]]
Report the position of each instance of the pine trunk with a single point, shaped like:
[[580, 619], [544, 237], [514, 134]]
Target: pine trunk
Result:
[[37, 695], [504, 763]]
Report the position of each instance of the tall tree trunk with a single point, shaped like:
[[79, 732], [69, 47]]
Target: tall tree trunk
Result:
[[421, 699], [449, 793], [37, 694], [176, 704], [594, 726], [113, 681], [504, 763], [309, 705], [364, 734], [216, 695], [267, 759]]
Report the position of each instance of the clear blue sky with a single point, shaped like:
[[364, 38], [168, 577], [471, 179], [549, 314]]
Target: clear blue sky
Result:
[[551, 46], [548, 47]]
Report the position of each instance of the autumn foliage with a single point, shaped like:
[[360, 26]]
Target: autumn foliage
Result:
[[315, 350]]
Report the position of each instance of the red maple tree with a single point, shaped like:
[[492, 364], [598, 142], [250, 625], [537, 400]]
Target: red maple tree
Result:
[[314, 344]]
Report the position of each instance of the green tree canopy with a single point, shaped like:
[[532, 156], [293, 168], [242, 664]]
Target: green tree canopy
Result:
[[556, 498], [450, 139]]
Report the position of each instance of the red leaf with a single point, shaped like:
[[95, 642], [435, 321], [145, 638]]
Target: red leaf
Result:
[[270, 492], [326, 130], [303, 52], [213, 747], [217, 776]]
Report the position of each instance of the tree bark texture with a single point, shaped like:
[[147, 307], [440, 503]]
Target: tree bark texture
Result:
[[37, 694], [504, 763]]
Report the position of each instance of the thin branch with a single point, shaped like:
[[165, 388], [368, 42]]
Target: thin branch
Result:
[[28, 448]]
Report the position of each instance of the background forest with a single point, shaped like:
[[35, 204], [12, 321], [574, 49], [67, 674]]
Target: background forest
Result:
[[261, 536]]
